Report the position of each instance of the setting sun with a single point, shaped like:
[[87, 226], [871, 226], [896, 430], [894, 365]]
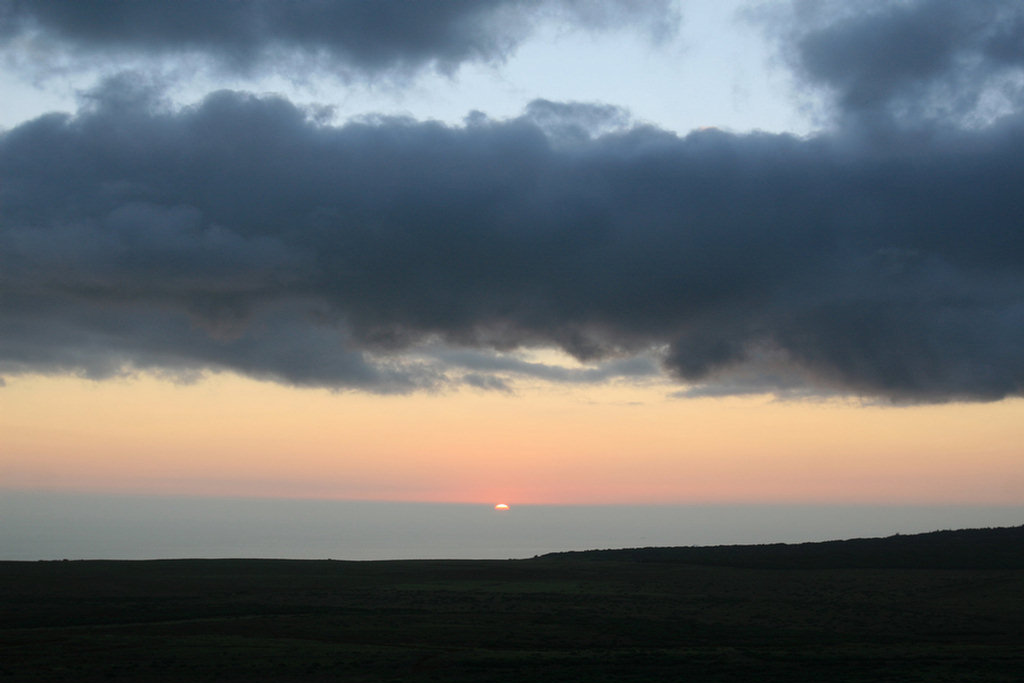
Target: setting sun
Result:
[[501, 507]]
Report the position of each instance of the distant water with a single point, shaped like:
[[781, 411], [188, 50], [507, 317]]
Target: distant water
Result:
[[50, 525]]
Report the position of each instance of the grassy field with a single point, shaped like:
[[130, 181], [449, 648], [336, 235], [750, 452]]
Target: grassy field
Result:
[[612, 616]]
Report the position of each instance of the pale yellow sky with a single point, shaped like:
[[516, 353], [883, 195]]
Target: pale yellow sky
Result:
[[626, 443]]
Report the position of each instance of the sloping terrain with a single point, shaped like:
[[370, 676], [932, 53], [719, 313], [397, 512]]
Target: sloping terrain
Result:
[[999, 548]]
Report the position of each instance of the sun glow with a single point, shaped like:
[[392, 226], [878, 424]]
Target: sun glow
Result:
[[501, 507], [231, 436]]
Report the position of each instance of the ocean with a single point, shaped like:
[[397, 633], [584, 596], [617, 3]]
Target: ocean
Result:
[[50, 525]]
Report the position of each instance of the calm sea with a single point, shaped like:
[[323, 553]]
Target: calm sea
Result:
[[36, 526]]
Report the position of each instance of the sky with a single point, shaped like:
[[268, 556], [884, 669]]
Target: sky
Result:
[[524, 251]]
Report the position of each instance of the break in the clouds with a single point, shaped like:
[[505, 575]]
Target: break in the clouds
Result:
[[345, 37], [248, 234]]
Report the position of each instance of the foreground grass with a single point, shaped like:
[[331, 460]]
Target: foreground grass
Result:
[[546, 619]]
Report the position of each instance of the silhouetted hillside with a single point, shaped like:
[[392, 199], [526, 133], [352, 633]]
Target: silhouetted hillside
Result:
[[1000, 548], [651, 614]]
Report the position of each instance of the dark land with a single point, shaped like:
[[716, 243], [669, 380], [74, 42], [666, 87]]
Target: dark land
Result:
[[945, 606]]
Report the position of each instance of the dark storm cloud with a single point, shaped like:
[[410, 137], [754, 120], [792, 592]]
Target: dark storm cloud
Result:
[[343, 36], [242, 234], [913, 60]]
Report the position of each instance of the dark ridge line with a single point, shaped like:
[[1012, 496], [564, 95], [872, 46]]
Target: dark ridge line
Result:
[[989, 548], [984, 548]]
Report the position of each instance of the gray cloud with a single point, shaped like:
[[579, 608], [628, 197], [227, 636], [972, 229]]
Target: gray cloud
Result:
[[905, 62], [882, 258], [242, 233], [345, 37], [486, 382]]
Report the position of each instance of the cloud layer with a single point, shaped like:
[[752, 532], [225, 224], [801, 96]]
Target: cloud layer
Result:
[[881, 258], [345, 37], [243, 234]]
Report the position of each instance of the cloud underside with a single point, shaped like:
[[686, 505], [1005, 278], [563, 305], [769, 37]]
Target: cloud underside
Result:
[[242, 234], [881, 258], [344, 38]]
